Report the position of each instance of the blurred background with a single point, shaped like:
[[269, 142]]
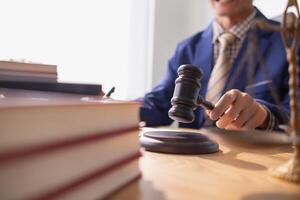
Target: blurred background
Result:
[[121, 43]]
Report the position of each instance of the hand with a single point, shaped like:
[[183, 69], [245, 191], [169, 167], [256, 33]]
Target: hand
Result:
[[238, 110]]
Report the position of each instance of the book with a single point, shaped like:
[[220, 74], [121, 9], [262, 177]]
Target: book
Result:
[[27, 74], [24, 71], [87, 169], [53, 86], [14, 66], [102, 187], [39, 119], [31, 78]]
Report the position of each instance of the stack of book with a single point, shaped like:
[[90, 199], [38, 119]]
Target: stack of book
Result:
[[26, 71], [66, 146], [41, 77]]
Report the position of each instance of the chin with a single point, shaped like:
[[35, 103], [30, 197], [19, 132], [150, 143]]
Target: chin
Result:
[[231, 7], [225, 12]]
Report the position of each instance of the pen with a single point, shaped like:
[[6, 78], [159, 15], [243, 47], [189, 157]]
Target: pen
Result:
[[112, 90]]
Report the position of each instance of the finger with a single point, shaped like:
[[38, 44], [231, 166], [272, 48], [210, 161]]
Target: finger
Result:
[[208, 112], [242, 102], [251, 123], [231, 127], [245, 115], [232, 112], [223, 104], [257, 118]]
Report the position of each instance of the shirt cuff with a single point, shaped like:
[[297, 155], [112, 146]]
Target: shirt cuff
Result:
[[270, 123]]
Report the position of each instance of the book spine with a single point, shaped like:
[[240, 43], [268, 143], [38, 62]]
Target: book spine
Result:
[[69, 187], [110, 194], [27, 78], [44, 148], [87, 89], [31, 67]]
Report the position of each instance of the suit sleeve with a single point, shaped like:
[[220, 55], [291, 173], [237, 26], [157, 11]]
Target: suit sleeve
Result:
[[280, 114], [156, 104]]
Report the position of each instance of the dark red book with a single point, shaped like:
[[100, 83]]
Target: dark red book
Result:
[[51, 144], [35, 118], [74, 169]]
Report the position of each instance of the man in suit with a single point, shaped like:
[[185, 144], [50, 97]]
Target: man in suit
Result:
[[219, 51]]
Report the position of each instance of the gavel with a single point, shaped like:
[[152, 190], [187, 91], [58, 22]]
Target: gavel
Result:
[[186, 96], [185, 100]]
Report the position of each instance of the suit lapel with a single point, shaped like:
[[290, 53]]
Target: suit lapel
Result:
[[242, 66], [204, 57]]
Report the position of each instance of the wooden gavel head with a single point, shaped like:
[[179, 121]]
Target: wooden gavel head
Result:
[[186, 94]]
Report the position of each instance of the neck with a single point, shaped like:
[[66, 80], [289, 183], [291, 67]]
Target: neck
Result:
[[227, 22]]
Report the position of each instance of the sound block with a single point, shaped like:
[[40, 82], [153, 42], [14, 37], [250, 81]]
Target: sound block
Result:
[[177, 142]]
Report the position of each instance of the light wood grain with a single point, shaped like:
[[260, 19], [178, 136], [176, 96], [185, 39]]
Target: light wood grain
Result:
[[233, 173]]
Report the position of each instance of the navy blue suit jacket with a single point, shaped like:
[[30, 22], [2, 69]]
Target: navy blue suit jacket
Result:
[[198, 50]]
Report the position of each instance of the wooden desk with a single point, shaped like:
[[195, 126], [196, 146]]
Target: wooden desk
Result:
[[233, 173]]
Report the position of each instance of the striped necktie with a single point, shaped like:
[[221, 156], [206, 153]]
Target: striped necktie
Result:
[[221, 69]]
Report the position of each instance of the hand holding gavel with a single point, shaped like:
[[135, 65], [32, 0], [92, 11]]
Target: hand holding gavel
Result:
[[234, 110]]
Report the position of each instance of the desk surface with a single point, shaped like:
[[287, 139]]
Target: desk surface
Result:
[[232, 173]]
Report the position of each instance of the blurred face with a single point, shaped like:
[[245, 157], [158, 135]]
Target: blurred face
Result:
[[230, 8]]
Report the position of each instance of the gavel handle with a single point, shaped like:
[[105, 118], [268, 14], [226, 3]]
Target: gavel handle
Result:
[[206, 104]]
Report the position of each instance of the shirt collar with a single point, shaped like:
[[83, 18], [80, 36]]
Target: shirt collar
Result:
[[239, 30]]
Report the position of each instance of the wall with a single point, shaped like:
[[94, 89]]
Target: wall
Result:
[[272, 8], [140, 48], [174, 21]]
